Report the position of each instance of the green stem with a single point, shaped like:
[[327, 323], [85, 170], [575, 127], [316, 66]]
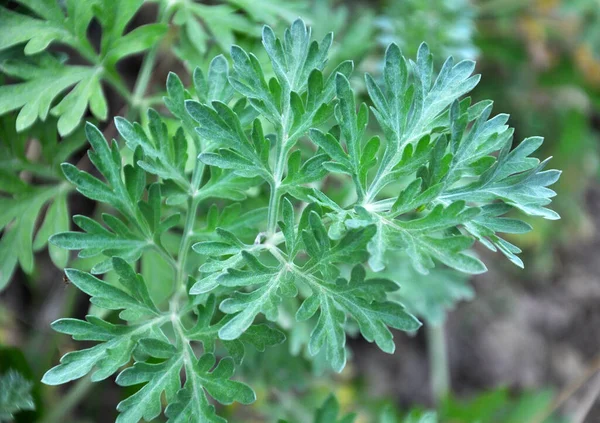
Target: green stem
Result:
[[273, 211], [114, 79], [278, 170], [87, 52], [184, 246], [141, 84], [275, 195], [188, 228], [360, 191], [439, 372]]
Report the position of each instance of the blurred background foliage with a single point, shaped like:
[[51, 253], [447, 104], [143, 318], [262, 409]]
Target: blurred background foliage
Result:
[[540, 61]]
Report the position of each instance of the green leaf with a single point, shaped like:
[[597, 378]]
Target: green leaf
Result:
[[275, 284], [340, 298], [364, 300], [418, 238], [56, 220], [36, 32], [107, 159], [143, 224], [248, 79], [31, 213], [158, 378], [295, 56], [164, 156], [221, 126], [140, 39], [191, 402], [134, 300], [114, 351], [516, 179], [441, 177], [352, 126], [200, 22], [98, 240], [216, 86], [490, 222], [21, 213], [226, 184], [46, 77], [406, 108]]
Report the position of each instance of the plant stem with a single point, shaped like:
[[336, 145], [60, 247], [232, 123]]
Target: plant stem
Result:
[[275, 195], [184, 246], [141, 84], [115, 80], [272, 213], [143, 79], [280, 156], [439, 373], [188, 228], [360, 192]]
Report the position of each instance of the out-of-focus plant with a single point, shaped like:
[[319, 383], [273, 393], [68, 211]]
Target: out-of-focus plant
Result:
[[31, 182], [447, 26]]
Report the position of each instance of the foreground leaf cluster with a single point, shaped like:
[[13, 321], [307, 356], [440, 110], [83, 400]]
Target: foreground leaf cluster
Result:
[[15, 395], [288, 250]]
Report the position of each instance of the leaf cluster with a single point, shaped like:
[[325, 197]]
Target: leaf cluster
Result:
[[441, 176]]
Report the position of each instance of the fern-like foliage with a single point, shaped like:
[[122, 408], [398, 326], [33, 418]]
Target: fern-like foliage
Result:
[[442, 176], [53, 84], [46, 76]]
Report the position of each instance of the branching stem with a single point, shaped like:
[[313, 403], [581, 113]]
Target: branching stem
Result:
[[141, 84], [188, 228], [281, 151]]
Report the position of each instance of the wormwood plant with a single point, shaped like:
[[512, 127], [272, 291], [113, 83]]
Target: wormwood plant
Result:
[[337, 203]]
